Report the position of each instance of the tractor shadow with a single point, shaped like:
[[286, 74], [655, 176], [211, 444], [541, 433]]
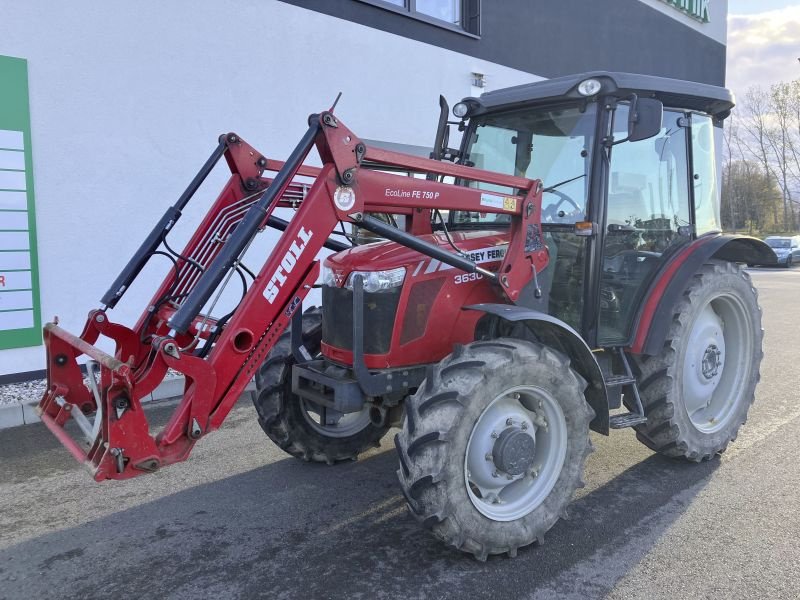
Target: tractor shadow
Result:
[[295, 530]]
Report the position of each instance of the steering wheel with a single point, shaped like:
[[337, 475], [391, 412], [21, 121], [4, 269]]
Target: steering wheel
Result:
[[552, 214]]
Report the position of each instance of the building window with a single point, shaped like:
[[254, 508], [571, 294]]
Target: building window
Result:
[[444, 10], [461, 15]]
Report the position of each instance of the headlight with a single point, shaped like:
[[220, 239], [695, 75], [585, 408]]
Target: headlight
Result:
[[378, 281], [461, 110], [327, 277], [589, 87]]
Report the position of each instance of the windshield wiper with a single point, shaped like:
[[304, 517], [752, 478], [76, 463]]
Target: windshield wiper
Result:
[[565, 182]]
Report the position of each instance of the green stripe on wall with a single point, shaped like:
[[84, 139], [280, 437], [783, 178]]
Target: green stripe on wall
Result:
[[15, 117]]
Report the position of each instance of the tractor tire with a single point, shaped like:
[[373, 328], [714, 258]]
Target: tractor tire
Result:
[[291, 423], [493, 445], [697, 392]]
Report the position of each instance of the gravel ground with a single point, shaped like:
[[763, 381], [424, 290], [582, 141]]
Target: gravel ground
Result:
[[21, 393], [32, 391]]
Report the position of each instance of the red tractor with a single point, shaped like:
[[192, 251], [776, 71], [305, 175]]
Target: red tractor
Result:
[[561, 271]]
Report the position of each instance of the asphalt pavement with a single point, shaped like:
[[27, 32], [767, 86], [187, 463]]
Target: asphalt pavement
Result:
[[240, 519]]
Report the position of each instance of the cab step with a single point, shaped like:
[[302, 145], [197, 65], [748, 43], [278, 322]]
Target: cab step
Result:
[[628, 383]]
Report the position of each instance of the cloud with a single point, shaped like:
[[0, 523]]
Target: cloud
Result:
[[763, 48]]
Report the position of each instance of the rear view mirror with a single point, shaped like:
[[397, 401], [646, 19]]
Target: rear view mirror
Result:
[[644, 119]]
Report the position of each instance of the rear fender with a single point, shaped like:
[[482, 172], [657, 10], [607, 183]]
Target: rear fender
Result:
[[671, 282], [558, 335]]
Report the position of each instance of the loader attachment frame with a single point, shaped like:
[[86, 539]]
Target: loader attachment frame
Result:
[[219, 356]]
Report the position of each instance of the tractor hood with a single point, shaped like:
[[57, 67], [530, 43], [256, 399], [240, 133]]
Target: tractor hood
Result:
[[480, 246]]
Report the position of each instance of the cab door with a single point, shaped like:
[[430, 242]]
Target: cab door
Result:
[[648, 217]]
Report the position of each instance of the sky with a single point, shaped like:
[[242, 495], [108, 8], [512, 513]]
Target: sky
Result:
[[743, 7], [763, 43]]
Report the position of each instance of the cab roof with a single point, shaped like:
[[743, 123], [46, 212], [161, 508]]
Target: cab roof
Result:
[[673, 93]]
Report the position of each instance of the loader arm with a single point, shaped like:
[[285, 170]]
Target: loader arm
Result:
[[219, 355]]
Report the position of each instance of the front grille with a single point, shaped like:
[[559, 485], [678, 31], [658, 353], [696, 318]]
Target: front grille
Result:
[[420, 302], [380, 310]]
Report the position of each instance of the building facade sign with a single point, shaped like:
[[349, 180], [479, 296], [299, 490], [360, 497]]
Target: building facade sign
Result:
[[20, 320], [697, 9]]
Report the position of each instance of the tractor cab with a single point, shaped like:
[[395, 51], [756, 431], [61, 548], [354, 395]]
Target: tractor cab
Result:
[[630, 177]]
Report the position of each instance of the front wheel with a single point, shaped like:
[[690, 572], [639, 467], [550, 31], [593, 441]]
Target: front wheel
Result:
[[493, 445], [697, 392], [301, 428]]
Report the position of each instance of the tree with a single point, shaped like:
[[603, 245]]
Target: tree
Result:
[[762, 143], [751, 198]]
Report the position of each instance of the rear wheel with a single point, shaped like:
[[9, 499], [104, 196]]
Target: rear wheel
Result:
[[493, 445], [697, 392], [300, 427]]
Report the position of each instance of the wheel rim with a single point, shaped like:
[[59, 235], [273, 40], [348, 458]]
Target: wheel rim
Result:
[[340, 426], [717, 363], [515, 453]]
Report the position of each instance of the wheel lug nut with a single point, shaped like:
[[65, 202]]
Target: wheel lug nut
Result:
[[509, 422], [494, 435], [509, 477], [489, 456], [495, 474], [524, 426], [515, 396]]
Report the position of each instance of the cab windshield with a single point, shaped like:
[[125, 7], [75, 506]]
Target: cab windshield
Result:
[[553, 144]]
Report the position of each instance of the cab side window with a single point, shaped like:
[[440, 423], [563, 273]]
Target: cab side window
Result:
[[648, 188], [706, 193]]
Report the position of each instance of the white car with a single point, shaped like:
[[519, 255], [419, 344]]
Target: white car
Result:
[[787, 249]]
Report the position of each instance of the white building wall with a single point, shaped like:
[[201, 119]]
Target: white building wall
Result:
[[127, 100]]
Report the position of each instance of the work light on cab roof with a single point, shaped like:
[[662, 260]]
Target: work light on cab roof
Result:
[[589, 87]]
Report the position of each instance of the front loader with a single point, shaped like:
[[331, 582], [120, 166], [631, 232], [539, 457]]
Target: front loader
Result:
[[562, 270]]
